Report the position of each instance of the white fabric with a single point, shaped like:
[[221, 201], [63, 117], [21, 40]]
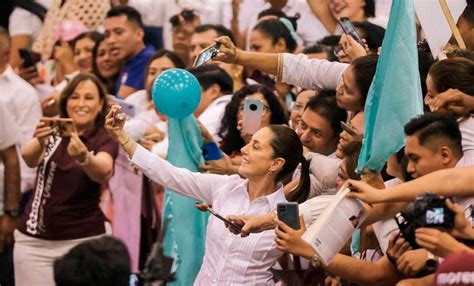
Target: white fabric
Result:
[[309, 28], [229, 259], [22, 100], [33, 258], [314, 74], [383, 229], [9, 135], [465, 202], [139, 100], [211, 117], [23, 22], [210, 11], [313, 208], [467, 131]]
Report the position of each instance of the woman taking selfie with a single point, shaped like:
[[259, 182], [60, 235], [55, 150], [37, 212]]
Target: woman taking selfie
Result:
[[272, 154], [64, 208]]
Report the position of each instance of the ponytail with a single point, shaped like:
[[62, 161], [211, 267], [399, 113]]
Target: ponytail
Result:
[[301, 193]]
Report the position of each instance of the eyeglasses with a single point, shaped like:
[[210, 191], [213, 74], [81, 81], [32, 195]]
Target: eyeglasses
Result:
[[296, 106], [188, 16]]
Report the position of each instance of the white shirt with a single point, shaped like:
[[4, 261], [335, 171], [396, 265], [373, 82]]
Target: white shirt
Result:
[[9, 135], [309, 28], [22, 100], [211, 117], [308, 73], [23, 22], [229, 259]]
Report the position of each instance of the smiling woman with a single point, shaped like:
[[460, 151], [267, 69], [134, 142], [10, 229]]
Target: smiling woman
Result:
[[64, 208], [271, 155]]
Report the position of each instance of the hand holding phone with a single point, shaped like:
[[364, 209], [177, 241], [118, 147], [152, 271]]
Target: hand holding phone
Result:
[[289, 214], [252, 117], [228, 222], [63, 127], [349, 129], [206, 55], [349, 29]]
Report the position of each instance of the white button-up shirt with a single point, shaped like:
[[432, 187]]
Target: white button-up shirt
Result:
[[229, 259], [22, 100]]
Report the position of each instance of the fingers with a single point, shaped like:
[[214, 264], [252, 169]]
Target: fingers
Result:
[[302, 224], [283, 226]]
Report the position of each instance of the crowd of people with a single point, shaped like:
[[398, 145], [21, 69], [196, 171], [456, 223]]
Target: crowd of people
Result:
[[85, 168]]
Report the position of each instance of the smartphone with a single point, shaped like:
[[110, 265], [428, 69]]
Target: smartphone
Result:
[[252, 118], [349, 29], [63, 127], [349, 129], [289, 214], [206, 55], [232, 224], [127, 108], [29, 58]]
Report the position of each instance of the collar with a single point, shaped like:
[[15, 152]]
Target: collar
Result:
[[8, 74], [272, 199], [89, 133]]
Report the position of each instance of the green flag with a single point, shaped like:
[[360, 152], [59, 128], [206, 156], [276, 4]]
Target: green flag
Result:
[[395, 94]]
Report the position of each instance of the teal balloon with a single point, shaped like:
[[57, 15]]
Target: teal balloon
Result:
[[176, 93]]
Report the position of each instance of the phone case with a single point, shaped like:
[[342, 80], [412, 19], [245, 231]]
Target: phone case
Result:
[[349, 29], [127, 108], [206, 55], [253, 112], [63, 127], [289, 214]]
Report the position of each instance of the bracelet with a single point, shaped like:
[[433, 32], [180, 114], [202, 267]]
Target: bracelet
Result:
[[125, 143], [87, 160], [279, 67]]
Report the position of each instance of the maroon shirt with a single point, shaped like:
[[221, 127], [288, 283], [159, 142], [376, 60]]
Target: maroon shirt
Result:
[[65, 202]]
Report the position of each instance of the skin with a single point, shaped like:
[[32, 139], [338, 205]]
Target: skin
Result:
[[352, 9], [348, 95], [200, 41], [299, 105], [316, 133], [467, 33], [83, 106], [259, 42], [83, 54], [11, 194], [107, 65]]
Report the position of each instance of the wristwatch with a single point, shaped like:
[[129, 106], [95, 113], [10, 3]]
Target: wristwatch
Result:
[[12, 213], [431, 262], [87, 160], [315, 261]]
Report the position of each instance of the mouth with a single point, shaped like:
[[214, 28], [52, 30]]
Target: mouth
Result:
[[245, 161], [81, 112], [115, 51]]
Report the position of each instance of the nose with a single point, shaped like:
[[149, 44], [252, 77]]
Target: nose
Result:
[[244, 149], [411, 168], [339, 89], [304, 135]]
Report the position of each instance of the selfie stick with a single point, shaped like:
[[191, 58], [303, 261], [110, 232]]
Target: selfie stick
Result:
[[158, 266]]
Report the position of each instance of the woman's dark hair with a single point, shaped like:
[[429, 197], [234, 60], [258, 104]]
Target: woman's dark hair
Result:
[[93, 35], [71, 87], [455, 73], [364, 71], [372, 33], [369, 8], [275, 29], [286, 144], [231, 139], [95, 69]]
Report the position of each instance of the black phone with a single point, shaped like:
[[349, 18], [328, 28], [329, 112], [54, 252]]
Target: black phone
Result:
[[349, 29], [289, 214], [349, 129], [29, 58], [206, 55], [231, 224]]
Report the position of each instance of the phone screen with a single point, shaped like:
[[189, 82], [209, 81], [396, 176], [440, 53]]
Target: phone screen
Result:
[[349, 29], [206, 55], [252, 117], [435, 216]]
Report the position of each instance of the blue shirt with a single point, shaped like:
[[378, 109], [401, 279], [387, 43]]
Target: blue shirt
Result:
[[133, 73]]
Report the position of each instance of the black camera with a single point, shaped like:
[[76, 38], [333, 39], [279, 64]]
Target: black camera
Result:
[[428, 210]]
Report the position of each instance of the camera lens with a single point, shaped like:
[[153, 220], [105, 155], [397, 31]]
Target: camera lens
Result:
[[253, 107]]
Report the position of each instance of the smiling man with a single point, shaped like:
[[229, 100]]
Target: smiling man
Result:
[[124, 34]]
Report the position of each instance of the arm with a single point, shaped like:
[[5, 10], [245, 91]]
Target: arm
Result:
[[449, 183], [180, 180], [320, 9], [33, 150], [292, 69], [125, 91], [11, 194]]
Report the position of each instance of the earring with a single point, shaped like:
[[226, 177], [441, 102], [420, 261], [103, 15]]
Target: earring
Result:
[[270, 173]]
